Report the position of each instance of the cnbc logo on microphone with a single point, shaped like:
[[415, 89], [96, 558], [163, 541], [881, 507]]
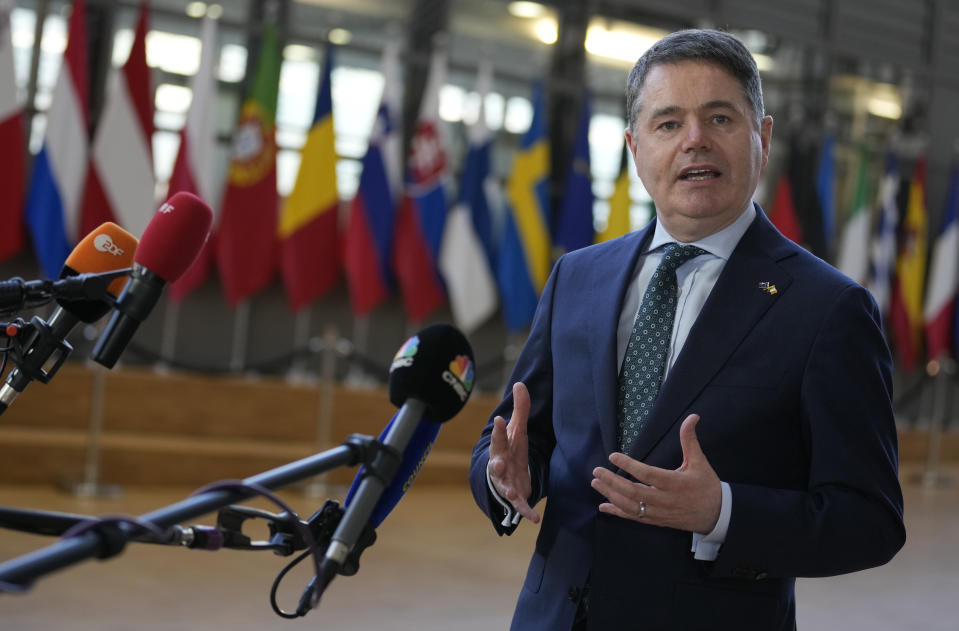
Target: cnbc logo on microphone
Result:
[[404, 356], [460, 376]]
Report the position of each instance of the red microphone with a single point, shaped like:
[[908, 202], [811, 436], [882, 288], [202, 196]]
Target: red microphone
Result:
[[169, 245]]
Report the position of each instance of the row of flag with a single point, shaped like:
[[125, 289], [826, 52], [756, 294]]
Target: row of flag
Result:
[[403, 233], [884, 244], [484, 250]]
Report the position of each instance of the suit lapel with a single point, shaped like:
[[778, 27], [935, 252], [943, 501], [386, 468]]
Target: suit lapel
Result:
[[734, 306], [610, 278]]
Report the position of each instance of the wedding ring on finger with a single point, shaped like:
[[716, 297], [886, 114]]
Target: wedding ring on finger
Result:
[[642, 510]]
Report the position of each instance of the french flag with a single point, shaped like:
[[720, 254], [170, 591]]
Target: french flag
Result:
[[369, 233], [56, 186], [943, 287], [422, 214]]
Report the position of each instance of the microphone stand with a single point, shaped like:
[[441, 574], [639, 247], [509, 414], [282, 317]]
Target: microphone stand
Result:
[[104, 543]]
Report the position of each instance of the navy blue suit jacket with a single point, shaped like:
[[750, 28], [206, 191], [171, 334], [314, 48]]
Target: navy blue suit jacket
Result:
[[794, 393]]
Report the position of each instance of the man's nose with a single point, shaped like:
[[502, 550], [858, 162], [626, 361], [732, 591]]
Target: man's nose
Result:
[[696, 136]]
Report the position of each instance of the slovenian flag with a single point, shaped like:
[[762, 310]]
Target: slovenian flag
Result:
[[369, 234], [308, 229], [422, 213], [524, 261], [59, 169]]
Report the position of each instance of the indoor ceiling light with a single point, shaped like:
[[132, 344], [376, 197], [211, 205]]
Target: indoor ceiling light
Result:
[[526, 9], [546, 30], [620, 42]]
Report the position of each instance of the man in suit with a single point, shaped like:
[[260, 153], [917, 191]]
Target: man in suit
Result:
[[706, 405]]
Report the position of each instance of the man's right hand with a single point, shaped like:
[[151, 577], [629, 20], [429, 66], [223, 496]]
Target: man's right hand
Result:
[[509, 455]]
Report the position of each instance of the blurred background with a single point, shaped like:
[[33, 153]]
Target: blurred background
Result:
[[377, 166]]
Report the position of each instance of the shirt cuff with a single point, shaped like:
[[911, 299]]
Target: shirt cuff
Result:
[[512, 516], [706, 547]]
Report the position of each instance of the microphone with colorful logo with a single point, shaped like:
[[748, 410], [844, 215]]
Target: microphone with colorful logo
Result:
[[169, 245], [107, 248], [431, 378]]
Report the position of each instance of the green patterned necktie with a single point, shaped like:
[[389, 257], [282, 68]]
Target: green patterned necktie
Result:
[[645, 362]]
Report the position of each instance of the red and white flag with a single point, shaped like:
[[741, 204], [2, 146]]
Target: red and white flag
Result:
[[11, 139], [121, 183], [191, 170]]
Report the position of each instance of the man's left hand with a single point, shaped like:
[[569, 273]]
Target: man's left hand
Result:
[[687, 498]]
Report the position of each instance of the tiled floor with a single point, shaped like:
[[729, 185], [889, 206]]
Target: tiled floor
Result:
[[437, 565]]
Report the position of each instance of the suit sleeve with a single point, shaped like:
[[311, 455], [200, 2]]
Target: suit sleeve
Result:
[[849, 517], [534, 368]]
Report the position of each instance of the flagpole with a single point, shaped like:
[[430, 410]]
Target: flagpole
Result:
[[361, 337], [323, 437], [301, 340], [941, 372], [171, 321], [241, 326]]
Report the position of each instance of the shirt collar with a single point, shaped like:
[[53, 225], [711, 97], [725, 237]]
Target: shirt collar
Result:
[[720, 244]]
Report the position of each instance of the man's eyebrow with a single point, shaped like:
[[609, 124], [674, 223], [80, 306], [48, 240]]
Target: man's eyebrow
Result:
[[719, 104], [669, 110]]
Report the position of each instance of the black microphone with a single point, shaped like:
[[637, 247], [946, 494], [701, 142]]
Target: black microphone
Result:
[[431, 377], [40, 355], [169, 245]]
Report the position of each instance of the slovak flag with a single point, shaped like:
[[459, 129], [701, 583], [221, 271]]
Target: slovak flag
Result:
[[422, 213]]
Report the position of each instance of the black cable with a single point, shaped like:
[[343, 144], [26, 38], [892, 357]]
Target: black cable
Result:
[[276, 585]]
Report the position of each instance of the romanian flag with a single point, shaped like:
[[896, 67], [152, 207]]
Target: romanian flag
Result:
[[121, 184], [11, 139], [574, 223], [617, 224], [307, 230], [246, 237], [369, 234], [56, 186], [908, 289], [422, 213], [524, 261], [943, 287], [191, 172]]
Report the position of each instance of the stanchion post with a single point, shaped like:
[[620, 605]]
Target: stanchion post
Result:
[[318, 487], [90, 486], [941, 371]]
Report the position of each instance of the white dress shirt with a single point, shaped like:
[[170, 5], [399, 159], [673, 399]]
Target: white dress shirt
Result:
[[695, 280]]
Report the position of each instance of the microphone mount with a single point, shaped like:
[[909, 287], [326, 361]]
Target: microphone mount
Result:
[[16, 293]]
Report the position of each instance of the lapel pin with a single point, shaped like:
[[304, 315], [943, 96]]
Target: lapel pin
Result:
[[769, 288]]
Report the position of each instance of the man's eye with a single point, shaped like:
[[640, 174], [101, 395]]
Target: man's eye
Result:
[[722, 119], [669, 125]]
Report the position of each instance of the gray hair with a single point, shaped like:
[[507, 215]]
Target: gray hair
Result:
[[716, 47]]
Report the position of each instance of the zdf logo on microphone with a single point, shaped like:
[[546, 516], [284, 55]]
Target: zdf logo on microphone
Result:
[[104, 243]]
